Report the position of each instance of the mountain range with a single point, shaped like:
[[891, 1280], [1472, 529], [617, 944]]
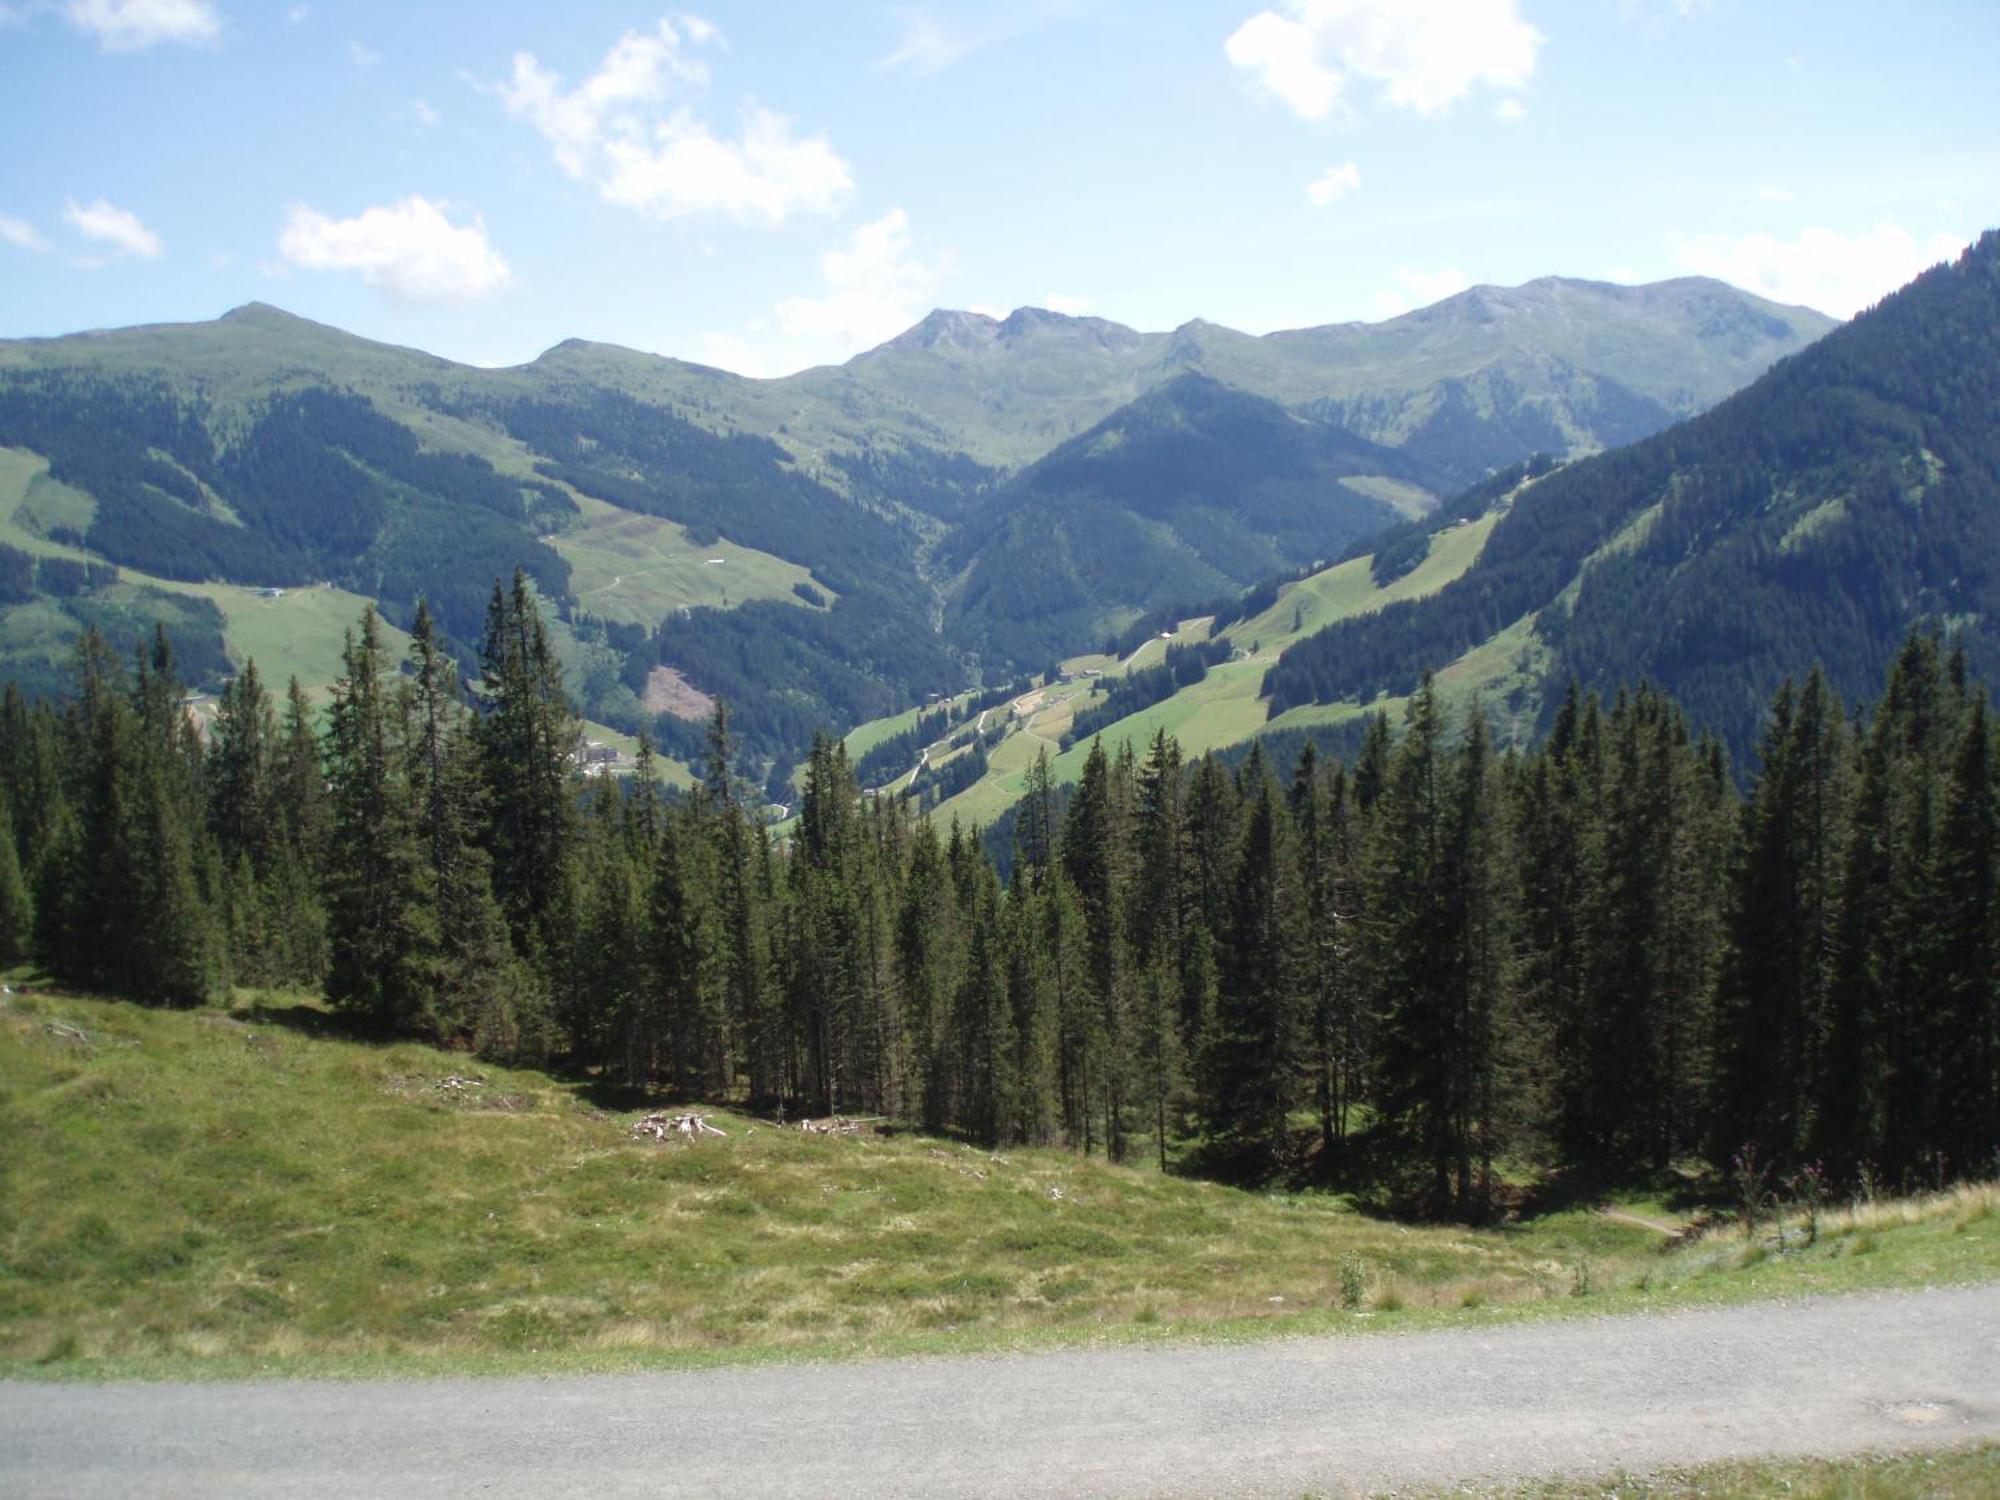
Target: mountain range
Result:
[[962, 504]]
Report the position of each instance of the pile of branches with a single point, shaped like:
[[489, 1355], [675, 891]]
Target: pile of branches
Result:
[[660, 1127], [832, 1125]]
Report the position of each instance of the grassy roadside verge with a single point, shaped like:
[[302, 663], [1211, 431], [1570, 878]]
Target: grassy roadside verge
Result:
[[1967, 1473], [214, 1194]]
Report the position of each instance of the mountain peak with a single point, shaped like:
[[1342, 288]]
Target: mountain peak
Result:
[[945, 327], [261, 313]]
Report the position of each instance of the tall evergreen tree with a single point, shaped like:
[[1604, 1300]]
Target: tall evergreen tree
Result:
[[17, 905], [475, 987], [528, 737], [1253, 1056], [379, 920]]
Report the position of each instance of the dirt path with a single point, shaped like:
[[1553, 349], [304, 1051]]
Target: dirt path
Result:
[[1335, 1416]]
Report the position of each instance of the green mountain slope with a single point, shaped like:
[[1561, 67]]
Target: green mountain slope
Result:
[[1851, 492], [1193, 491], [1478, 381]]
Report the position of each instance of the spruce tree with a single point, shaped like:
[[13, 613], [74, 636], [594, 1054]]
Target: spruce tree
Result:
[[528, 738], [1773, 997], [379, 922], [17, 906], [1962, 1038], [1158, 938], [475, 986], [1253, 1056]]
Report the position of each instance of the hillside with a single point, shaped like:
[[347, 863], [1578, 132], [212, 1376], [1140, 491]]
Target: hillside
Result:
[[1193, 491], [1126, 698], [960, 505], [221, 1193], [1848, 494]]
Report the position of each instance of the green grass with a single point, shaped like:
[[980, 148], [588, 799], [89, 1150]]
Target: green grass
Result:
[[31, 504], [300, 634], [637, 570], [217, 1193], [1964, 1473]]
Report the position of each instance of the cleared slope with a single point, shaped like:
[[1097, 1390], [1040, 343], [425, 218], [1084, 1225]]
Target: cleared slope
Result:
[[1229, 706]]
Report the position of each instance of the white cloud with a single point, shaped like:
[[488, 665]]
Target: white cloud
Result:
[[422, 113], [874, 288], [1837, 273], [1423, 54], [686, 171], [1416, 288], [21, 235], [1069, 305], [114, 226], [623, 130], [362, 56], [1280, 53], [638, 71], [410, 250], [1510, 111], [1771, 193], [1333, 184], [131, 25]]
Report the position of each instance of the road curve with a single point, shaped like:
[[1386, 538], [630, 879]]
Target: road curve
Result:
[[1332, 1415]]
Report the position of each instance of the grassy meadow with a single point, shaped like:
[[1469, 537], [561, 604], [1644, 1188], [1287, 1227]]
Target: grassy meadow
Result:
[[227, 1192], [637, 569]]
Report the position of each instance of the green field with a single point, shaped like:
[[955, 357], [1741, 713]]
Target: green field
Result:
[[1227, 707], [223, 1192], [637, 570], [31, 503]]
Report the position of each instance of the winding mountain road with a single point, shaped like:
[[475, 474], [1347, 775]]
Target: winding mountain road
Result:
[[1328, 1415]]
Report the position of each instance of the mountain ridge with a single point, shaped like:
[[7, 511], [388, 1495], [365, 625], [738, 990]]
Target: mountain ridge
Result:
[[276, 449]]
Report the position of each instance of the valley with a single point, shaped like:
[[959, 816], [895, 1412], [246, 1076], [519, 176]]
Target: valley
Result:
[[958, 749]]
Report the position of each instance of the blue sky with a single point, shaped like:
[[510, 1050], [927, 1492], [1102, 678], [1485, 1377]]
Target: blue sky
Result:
[[766, 186]]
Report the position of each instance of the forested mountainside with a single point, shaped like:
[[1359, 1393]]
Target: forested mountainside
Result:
[[1815, 517], [955, 507], [1194, 491]]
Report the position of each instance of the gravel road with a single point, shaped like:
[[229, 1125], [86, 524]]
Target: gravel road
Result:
[[1328, 1415]]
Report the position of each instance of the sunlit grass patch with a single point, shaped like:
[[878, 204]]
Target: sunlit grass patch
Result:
[[218, 1192]]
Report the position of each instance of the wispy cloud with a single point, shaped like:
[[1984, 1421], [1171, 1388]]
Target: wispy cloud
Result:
[[133, 25], [22, 235], [116, 227], [930, 45], [1333, 184]]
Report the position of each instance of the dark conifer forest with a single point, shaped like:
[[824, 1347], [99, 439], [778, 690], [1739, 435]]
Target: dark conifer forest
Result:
[[1437, 969]]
